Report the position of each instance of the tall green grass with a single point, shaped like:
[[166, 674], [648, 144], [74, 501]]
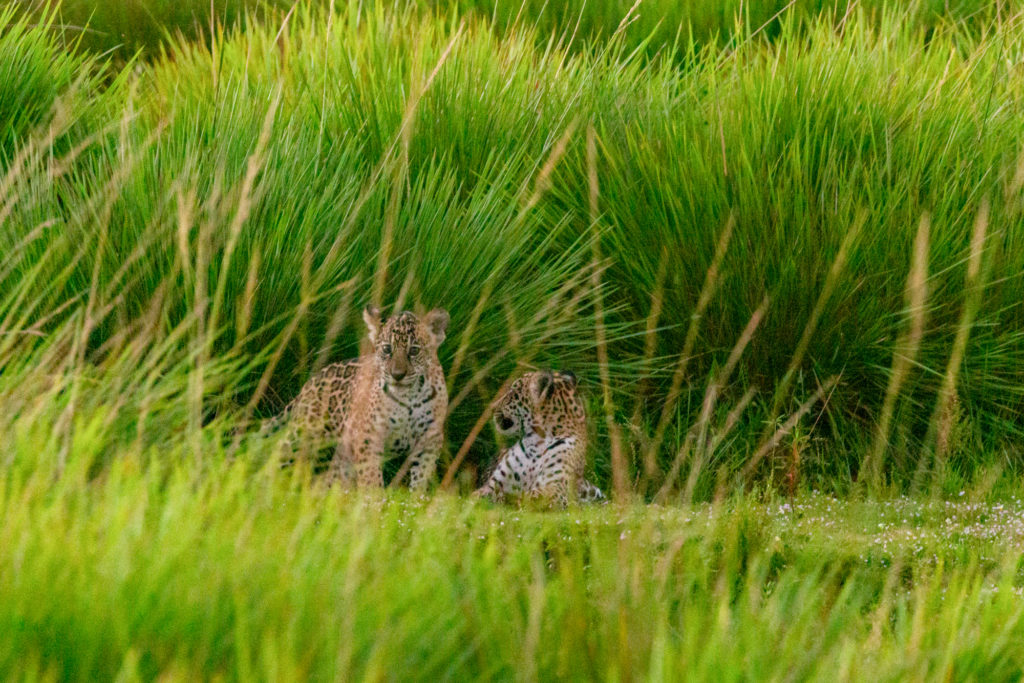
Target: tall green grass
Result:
[[249, 190], [678, 28], [137, 546]]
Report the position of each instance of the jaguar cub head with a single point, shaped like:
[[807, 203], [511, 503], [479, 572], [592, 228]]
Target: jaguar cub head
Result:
[[539, 402], [405, 345]]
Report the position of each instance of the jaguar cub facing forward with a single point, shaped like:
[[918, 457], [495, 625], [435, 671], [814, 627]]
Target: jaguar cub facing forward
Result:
[[392, 401], [543, 410]]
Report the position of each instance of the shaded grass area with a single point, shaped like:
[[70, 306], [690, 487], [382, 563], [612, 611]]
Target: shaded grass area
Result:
[[677, 29], [125, 28]]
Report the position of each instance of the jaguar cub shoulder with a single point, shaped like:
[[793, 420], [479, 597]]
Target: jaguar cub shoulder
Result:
[[543, 412], [391, 401]]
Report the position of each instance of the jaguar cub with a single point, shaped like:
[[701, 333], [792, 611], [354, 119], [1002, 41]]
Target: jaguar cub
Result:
[[392, 401], [543, 410]]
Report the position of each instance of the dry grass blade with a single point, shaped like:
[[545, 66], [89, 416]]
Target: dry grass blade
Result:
[[703, 300], [620, 475], [944, 415], [831, 281], [696, 437], [242, 209], [651, 329], [906, 350], [466, 335], [449, 476], [731, 420], [650, 464], [786, 427], [29, 154], [543, 182], [336, 325]]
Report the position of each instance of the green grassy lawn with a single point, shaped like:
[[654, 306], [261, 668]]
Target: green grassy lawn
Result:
[[786, 263]]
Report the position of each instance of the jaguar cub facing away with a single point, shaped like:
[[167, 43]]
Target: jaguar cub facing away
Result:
[[392, 401], [543, 410]]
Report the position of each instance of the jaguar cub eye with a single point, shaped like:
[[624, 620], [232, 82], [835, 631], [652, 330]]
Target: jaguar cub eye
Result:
[[386, 349], [413, 350]]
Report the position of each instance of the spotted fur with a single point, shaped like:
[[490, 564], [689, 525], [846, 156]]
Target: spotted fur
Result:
[[391, 401], [544, 412]]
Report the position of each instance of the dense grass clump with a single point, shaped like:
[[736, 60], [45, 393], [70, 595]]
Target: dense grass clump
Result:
[[563, 203], [139, 542]]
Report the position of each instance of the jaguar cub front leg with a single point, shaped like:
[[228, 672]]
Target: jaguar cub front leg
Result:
[[588, 493], [494, 488], [553, 493], [363, 449], [340, 471], [506, 479], [423, 459], [369, 474]]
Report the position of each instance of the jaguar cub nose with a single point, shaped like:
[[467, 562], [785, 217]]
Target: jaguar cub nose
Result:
[[398, 375]]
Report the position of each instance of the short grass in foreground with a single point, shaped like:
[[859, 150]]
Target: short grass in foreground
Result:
[[228, 570]]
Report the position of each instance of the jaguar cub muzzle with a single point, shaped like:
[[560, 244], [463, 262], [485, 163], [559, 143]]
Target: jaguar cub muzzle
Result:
[[399, 367]]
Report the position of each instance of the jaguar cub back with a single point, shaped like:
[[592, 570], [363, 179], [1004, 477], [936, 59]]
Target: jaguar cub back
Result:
[[543, 412]]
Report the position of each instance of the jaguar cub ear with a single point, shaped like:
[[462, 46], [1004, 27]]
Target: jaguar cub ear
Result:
[[569, 378], [541, 386], [371, 316], [437, 323]]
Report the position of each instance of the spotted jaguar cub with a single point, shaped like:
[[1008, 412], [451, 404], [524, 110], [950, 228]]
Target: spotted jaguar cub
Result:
[[543, 410], [392, 401]]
